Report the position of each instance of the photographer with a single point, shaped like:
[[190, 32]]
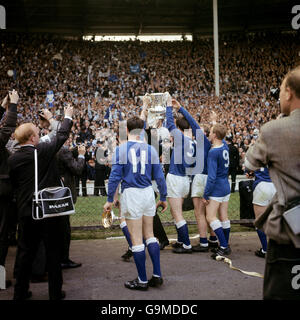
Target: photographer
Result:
[[9, 105]]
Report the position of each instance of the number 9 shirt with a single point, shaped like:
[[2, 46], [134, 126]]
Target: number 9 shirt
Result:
[[217, 184]]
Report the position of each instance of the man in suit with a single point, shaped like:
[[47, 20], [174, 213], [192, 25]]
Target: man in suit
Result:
[[21, 165], [234, 159], [6, 193], [100, 168], [83, 177], [278, 146], [70, 166]]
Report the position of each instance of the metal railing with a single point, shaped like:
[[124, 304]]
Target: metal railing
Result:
[[89, 211]]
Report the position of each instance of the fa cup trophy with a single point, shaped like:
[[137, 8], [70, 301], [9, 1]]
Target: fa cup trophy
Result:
[[157, 103]]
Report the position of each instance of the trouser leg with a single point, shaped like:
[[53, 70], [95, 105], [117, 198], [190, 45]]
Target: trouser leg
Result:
[[29, 239], [66, 238], [53, 238], [4, 229]]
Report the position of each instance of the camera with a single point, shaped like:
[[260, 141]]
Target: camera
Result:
[[41, 115]]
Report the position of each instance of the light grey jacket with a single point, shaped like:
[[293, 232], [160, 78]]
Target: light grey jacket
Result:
[[278, 147]]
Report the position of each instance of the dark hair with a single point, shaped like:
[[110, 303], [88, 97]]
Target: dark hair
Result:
[[135, 123], [293, 81], [182, 123]]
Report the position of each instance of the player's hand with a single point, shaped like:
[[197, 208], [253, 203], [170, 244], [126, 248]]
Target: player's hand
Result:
[[108, 206], [117, 204], [163, 205], [13, 96], [205, 202], [175, 104]]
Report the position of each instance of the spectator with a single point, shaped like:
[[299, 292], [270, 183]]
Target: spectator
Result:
[[70, 165], [30, 231], [9, 105]]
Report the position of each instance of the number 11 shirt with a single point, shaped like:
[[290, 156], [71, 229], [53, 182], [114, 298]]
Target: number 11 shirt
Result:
[[134, 164]]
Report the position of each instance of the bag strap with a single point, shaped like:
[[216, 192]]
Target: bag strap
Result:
[[36, 180]]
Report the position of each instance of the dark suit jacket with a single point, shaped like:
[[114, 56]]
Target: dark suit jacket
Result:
[[21, 165], [6, 130], [234, 156], [69, 167]]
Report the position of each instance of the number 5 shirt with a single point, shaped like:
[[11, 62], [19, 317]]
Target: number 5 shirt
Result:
[[183, 155], [134, 164], [217, 184]]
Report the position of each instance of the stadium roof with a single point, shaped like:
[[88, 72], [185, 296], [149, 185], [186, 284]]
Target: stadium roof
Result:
[[102, 17]]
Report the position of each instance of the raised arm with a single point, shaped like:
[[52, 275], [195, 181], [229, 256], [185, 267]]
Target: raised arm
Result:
[[62, 135], [170, 119], [192, 122], [10, 121]]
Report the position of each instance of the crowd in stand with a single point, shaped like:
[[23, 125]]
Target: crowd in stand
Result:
[[103, 80]]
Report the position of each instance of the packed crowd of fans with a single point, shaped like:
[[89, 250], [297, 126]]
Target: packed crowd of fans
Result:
[[99, 76]]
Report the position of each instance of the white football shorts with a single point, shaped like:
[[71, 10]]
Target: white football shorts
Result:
[[198, 185], [221, 199], [137, 202], [263, 193], [177, 186]]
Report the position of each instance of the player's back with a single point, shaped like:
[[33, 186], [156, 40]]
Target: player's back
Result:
[[218, 164], [222, 155], [182, 155], [137, 159]]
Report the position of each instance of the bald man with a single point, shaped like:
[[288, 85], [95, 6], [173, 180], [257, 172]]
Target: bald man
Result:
[[278, 147], [31, 232]]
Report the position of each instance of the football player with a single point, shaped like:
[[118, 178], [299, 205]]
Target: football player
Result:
[[217, 189], [135, 162]]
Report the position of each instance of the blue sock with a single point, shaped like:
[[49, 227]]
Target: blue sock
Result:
[[154, 252], [126, 233], [179, 239], [226, 229], [218, 230], [263, 239], [213, 238], [139, 256], [203, 242], [183, 233]]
